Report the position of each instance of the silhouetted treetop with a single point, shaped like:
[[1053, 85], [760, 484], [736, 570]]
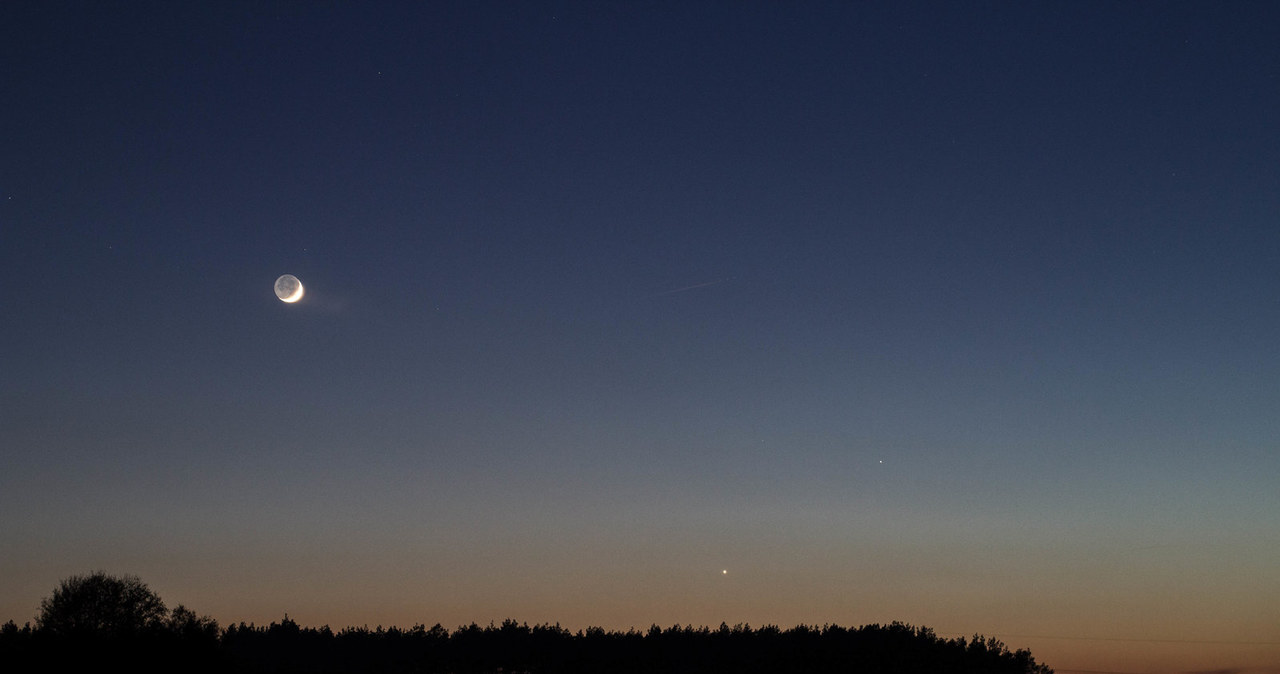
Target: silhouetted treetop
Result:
[[100, 622], [101, 605]]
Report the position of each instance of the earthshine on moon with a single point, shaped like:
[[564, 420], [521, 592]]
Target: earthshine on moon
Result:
[[289, 288]]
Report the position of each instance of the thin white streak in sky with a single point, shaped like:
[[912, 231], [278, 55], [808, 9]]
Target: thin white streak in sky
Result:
[[694, 287]]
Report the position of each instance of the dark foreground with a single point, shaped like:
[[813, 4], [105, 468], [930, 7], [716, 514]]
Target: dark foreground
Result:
[[512, 647]]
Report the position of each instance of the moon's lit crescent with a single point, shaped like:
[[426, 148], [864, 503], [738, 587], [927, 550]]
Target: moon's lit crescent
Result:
[[289, 288]]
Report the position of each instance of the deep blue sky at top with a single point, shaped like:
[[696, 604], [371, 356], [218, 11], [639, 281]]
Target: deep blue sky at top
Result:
[[921, 183], [1014, 250]]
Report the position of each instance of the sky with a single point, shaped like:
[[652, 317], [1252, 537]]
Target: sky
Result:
[[958, 314]]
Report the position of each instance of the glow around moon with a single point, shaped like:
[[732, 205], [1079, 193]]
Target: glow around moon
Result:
[[289, 288]]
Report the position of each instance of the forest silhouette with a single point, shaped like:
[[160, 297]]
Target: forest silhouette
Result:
[[99, 622]]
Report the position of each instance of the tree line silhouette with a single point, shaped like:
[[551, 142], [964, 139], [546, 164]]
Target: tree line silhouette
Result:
[[99, 622]]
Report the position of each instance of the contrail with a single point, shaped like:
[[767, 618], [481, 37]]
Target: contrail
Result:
[[694, 287]]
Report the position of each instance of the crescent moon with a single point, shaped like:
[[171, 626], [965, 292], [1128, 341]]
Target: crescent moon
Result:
[[289, 288]]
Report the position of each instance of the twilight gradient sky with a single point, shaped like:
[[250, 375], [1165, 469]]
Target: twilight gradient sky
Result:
[[960, 314]]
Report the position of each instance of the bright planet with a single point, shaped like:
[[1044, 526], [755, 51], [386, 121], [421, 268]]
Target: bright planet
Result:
[[289, 288]]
